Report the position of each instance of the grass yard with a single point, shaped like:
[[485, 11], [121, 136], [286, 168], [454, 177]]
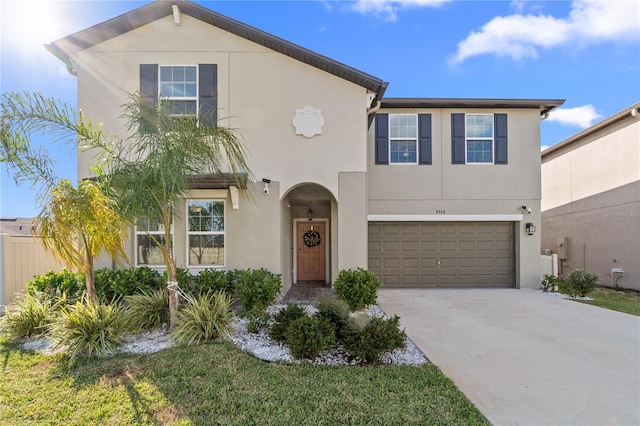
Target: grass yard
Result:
[[219, 384], [617, 300]]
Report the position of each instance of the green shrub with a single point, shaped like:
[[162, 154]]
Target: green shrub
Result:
[[59, 285], [90, 329], [207, 318], [580, 282], [336, 310], [116, 283], [549, 283], [211, 280], [148, 309], [376, 337], [257, 321], [307, 336], [283, 319], [30, 315], [359, 288], [256, 288]]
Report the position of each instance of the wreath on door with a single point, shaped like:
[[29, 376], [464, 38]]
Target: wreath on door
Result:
[[311, 238]]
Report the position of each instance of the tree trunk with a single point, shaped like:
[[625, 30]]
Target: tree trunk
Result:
[[174, 301], [92, 296]]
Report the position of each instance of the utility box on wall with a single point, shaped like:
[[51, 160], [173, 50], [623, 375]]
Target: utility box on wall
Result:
[[563, 248]]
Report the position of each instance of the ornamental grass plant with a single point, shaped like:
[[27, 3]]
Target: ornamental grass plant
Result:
[[147, 309], [92, 329], [30, 315], [207, 318]]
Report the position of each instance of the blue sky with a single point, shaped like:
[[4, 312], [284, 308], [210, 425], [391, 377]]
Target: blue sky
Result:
[[587, 52]]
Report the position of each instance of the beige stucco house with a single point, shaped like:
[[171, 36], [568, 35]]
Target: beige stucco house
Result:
[[591, 199], [425, 192]]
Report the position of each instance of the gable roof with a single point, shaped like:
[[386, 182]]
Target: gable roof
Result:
[[68, 46], [544, 105], [632, 111]]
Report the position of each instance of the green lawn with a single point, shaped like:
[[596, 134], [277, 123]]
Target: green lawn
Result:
[[617, 300], [219, 384]]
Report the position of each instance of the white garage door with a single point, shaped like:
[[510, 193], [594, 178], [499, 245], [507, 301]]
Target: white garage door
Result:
[[443, 254]]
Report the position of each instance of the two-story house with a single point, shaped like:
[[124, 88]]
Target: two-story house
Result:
[[425, 192]]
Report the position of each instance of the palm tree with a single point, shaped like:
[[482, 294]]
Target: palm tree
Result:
[[152, 172], [77, 224]]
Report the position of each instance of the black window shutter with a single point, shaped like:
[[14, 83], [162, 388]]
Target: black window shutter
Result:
[[382, 138], [424, 138], [208, 93], [500, 141], [457, 139], [148, 94]]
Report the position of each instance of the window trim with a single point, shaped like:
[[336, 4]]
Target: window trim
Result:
[[195, 98], [491, 139], [190, 233], [416, 139], [137, 232]]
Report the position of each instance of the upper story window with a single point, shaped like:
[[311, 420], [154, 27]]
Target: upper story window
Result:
[[403, 138], [148, 235], [179, 84], [205, 232], [479, 138]]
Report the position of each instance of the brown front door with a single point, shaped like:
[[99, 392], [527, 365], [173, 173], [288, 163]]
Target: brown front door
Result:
[[311, 251]]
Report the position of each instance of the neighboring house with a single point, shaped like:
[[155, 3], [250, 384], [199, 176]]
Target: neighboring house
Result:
[[591, 199], [425, 192], [22, 256]]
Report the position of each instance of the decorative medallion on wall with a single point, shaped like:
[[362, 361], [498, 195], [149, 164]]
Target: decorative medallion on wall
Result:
[[311, 238], [308, 121]]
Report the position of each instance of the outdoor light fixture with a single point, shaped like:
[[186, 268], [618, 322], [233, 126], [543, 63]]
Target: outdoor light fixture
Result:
[[530, 228], [310, 214]]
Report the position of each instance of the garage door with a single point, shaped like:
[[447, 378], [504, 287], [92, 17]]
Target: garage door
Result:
[[442, 254]]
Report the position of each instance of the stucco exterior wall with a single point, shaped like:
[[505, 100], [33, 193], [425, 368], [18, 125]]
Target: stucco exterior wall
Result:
[[591, 197], [259, 91]]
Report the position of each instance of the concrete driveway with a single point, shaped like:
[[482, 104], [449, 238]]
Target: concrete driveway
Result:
[[526, 358]]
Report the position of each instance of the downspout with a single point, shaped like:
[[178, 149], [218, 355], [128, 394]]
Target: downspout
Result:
[[544, 116], [635, 113], [374, 109]]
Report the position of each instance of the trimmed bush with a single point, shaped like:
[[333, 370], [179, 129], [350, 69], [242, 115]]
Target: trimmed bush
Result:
[[358, 288], [256, 288], [30, 315], [283, 319], [306, 337], [59, 285], [211, 280], [117, 283], [378, 336], [148, 309], [90, 329], [580, 282], [207, 318], [257, 321]]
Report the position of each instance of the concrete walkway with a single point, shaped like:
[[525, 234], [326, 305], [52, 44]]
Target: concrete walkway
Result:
[[526, 358]]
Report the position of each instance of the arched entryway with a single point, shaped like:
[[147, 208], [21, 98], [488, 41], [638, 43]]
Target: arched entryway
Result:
[[310, 211]]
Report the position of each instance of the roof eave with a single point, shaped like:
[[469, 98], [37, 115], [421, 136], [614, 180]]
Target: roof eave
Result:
[[627, 112], [543, 105], [66, 47]]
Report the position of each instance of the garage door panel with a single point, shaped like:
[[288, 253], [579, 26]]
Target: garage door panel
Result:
[[447, 254]]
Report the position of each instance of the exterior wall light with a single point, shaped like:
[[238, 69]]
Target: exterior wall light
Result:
[[310, 214], [530, 228]]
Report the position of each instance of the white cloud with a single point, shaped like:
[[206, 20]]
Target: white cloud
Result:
[[582, 116], [388, 9], [589, 22], [543, 147]]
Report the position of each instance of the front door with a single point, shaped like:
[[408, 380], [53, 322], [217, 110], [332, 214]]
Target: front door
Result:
[[311, 243]]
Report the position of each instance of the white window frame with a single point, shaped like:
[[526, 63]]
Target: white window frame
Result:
[[491, 139], [181, 98], [392, 139], [159, 232], [190, 233]]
